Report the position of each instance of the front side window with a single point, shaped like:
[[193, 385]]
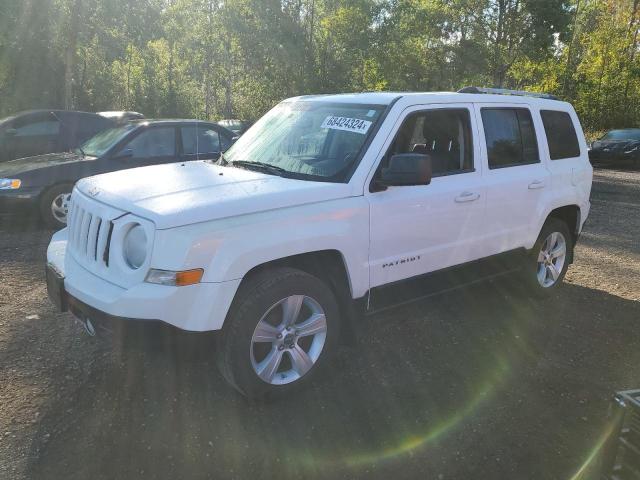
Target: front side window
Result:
[[510, 137], [561, 134], [308, 139], [443, 134], [153, 142], [199, 140]]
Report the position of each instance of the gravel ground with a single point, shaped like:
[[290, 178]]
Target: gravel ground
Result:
[[478, 383]]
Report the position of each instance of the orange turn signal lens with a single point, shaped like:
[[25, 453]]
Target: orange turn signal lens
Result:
[[189, 277]]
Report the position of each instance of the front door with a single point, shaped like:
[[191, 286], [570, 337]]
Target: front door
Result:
[[154, 145], [420, 229]]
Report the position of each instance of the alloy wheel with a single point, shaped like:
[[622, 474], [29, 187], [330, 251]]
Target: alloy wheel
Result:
[[60, 207], [288, 340], [551, 259]]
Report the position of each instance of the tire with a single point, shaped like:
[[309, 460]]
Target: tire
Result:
[[247, 356], [53, 206], [544, 273]]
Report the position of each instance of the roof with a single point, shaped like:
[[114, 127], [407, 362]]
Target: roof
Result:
[[386, 98], [171, 121]]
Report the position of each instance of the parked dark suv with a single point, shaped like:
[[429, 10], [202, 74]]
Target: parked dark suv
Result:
[[46, 131], [42, 184]]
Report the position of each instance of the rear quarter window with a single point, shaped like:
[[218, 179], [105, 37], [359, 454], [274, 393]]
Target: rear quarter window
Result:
[[561, 134]]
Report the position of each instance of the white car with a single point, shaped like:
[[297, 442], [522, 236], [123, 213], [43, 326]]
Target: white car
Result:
[[328, 207]]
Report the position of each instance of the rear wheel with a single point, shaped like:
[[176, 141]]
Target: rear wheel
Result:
[[549, 259], [54, 206], [281, 331]]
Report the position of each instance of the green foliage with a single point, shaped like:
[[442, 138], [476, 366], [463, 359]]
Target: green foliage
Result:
[[237, 58]]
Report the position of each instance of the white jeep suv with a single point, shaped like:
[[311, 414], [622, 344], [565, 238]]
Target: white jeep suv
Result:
[[328, 207]]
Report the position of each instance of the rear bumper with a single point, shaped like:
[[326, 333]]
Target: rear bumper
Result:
[[201, 307]]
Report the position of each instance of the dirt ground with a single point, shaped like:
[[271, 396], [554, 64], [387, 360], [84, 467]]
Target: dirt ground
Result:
[[478, 383]]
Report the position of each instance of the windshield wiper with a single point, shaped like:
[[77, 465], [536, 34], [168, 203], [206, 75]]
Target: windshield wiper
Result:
[[261, 167], [84, 155]]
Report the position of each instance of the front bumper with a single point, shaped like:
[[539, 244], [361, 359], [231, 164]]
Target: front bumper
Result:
[[19, 202], [201, 307], [596, 156]]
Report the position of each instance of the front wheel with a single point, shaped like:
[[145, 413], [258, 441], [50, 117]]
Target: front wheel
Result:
[[281, 331], [54, 206], [549, 259]]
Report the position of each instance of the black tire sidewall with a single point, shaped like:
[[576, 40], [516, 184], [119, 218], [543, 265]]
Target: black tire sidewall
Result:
[[252, 302], [45, 205]]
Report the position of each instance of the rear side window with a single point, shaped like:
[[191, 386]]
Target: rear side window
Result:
[[510, 137], [561, 134], [49, 127], [200, 139]]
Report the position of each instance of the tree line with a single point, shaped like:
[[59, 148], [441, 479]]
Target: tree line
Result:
[[236, 58]]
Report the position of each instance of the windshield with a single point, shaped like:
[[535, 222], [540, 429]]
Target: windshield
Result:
[[622, 135], [314, 140], [99, 144]]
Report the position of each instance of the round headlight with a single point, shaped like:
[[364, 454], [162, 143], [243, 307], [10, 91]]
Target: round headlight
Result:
[[135, 247]]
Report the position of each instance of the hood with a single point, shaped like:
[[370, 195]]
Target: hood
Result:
[[180, 194], [23, 165]]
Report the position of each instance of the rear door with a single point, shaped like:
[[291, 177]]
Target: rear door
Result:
[[200, 142], [516, 177], [568, 159]]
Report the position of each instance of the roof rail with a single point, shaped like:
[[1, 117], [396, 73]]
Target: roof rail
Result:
[[504, 91]]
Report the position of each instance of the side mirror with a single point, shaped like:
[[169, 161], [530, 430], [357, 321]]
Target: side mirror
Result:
[[406, 169], [126, 153], [10, 132]]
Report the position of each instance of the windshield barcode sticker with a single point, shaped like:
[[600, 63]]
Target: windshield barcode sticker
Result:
[[348, 124]]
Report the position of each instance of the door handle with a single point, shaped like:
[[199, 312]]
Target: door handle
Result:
[[536, 184], [467, 197]]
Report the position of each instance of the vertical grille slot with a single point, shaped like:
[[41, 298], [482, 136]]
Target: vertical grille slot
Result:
[[92, 237], [95, 246], [84, 234], [105, 255]]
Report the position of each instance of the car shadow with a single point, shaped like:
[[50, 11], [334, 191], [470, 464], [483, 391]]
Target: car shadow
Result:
[[482, 382]]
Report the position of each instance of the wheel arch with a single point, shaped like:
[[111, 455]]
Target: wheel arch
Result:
[[570, 215], [331, 268]]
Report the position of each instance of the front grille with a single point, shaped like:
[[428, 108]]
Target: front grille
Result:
[[621, 456], [91, 226], [88, 233]]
